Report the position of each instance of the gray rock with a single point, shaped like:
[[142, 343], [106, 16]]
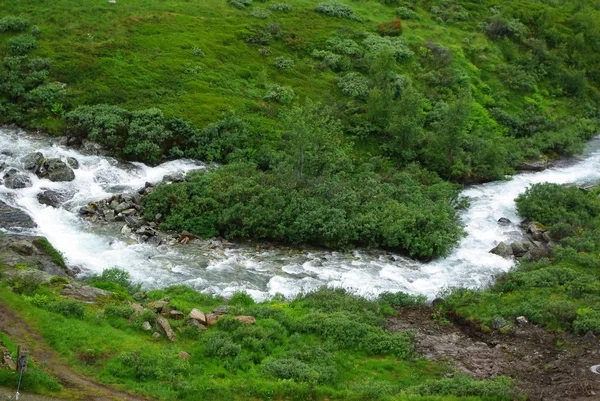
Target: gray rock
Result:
[[91, 148], [198, 315], [146, 326], [6, 152], [122, 206], [56, 170], [533, 229], [14, 179], [175, 177], [522, 320], [73, 162], [195, 323], [52, 198], [83, 293], [23, 247], [156, 335], [166, 328], [503, 221], [497, 322], [520, 248], [125, 230], [11, 217], [535, 165], [139, 296], [132, 222], [177, 315], [109, 215], [221, 310], [33, 161], [502, 250], [546, 237]]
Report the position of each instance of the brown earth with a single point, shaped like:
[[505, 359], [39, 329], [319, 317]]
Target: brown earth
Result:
[[80, 387], [545, 366]]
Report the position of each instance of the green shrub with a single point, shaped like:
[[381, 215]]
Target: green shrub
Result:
[[240, 4], [401, 299], [144, 366], [463, 386], [396, 45], [67, 308], [13, 24], [25, 282], [38, 300], [587, 320], [338, 10], [354, 85], [280, 7], [407, 13], [279, 94], [241, 299], [119, 311], [261, 13], [220, 345], [288, 368], [284, 63], [334, 61], [21, 45], [346, 47]]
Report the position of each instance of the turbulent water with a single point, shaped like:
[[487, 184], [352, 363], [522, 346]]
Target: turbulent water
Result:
[[264, 272]]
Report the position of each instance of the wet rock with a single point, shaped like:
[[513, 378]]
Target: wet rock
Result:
[[145, 230], [73, 163], [175, 177], [3, 166], [166, 328], [87, 210], [91, 148], [520, 248], [534, 229], [184, 355], [535, 165], [55, 170], [250, 320], [503, 221], [109, 215], [195, 323], [122, 206], [83, 293], [503, 250], [14, 179], [176, 315], [146, 326], [198, 315], [185, 237], [126, 230], [52, 198], [132, 222], [32, 162], [11, 217], [6, 152]]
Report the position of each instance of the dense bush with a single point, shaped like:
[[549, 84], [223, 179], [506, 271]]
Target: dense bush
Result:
[[396, 45], [339, 10], [240, 4], [284, 63], [390, 28], [261, 13], [407, 13], [67, 308], [280, 7], [354, 85], [279, 94], [21, 45], [13, 24]]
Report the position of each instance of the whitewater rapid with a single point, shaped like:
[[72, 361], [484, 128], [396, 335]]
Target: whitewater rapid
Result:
[[264, 271]]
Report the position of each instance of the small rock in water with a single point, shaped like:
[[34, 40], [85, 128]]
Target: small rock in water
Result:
[[32, 161], [73, 162], [503, 221], [502, 250], [55, 170], [16, 180]]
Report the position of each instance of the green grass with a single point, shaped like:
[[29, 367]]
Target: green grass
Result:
[[49, 250], [116, 352]]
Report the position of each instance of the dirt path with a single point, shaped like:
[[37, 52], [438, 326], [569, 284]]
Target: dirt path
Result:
[[545, 366], [81, 387]]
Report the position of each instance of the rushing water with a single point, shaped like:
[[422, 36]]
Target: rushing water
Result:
[[263, 272]]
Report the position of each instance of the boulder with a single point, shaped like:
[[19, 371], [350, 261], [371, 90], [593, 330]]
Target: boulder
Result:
[[503, 221], [132, 222], [122, 206], [137, 308], [83, 293], [6, 360], [520, 248], [534, 229], [184, 355], [497, 322], [250, 320], [11, 217], [146, 326], [14, 179], [32, 162], [211, 319], [23, 247], [502, 250], [198, 315], [73, 163], [164, 325], [125, 230], [175, 177], [55, 170], [535, 165], [522, 320], [52, 198], [538, 252], [109, 215], [176, 315], [157, 305], [195, 323]]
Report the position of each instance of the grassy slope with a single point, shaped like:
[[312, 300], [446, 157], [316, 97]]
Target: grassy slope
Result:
[[138, 53]]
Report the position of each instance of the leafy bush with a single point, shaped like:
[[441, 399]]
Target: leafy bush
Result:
[[123, 311], [240, 4], [346, 47], [261, 13], [67, 308], [407, 13], [499, 27], [334, 61], [280, 7], [25, 282], [401, 299], [221, 346], [13, 24], [390, 28], [279, 94], [463, 386], [396, 45], [21, 45], [284, 63], [354, 85], [149, 365], [587, 320], [338, 10]]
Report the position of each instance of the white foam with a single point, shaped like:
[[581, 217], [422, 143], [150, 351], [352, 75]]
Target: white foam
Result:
[[264, 273]]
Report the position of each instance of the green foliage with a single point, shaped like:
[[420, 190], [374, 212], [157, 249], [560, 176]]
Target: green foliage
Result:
[[261, 13], [281, 7], [284, 63], [338, 10], [118, 311], [66, 307], [13, 24], [354, 85], [464, 386], [21, 45], [240, 4], [407, 13], [396, 45]]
